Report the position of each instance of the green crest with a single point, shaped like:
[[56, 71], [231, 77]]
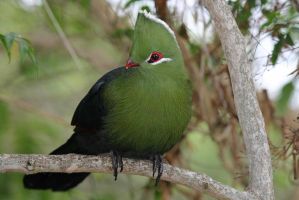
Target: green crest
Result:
[[154, 35]]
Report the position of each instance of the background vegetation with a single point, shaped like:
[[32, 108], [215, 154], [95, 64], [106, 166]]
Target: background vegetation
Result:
[[42, 81]]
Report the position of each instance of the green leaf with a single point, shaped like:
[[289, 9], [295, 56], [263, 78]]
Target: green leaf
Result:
[[23, 48], [7, 41], [277, 49], [263, 2], [289, 39], [26, 49], [271, 15], [284, 98], [129, 3]]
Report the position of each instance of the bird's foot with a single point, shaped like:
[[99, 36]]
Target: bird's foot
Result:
[[117, 162], [157, 167]]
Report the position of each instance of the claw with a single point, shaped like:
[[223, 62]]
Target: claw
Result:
[[160, 171], [120, 162], [157, 166], [114, 164], [154, 165], [117, 162]]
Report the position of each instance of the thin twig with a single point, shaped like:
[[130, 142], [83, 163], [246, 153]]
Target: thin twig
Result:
[[62, 35]]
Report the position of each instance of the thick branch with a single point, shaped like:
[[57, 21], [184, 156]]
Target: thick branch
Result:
[[249, 113], [71, 163]]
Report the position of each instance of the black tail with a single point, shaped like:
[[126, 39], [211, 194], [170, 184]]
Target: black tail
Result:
[[57, 181]]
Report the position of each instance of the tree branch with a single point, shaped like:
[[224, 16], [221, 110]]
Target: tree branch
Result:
[[71, 163], [249, 113]]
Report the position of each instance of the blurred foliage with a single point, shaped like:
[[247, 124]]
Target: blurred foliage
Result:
[[24, 45], [38, 94], [277, 18], [284, 98]]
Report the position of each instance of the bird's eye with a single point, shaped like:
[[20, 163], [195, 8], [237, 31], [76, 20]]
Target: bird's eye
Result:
[[154, 57]]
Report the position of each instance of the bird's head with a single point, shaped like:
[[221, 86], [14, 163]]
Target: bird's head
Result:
[[154, 44]]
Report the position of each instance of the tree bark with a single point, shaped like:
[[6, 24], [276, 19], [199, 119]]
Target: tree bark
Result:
[[162, 11], [249, 113], [71, 163]]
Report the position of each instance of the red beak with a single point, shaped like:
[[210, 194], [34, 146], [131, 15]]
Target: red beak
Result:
[[130, 64]]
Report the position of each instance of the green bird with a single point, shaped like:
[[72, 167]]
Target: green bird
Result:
[[139, 110]]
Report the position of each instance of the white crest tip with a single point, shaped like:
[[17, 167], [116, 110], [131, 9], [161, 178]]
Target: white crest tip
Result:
[[152, 17]]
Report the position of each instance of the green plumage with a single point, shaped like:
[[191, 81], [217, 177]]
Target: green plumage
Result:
[[150, 109], [139, 110], [149, 105]]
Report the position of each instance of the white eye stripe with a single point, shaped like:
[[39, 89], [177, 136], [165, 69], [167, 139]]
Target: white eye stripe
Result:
[[162, 60]]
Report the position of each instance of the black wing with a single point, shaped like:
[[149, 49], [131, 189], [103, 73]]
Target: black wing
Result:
[[91, 110]]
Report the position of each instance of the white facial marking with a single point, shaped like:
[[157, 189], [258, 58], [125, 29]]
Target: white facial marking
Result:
[[162, 60]]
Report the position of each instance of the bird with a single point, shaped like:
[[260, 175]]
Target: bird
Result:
[[139, 110]]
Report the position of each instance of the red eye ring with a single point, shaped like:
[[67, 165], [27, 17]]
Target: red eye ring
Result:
[[155, 57]]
